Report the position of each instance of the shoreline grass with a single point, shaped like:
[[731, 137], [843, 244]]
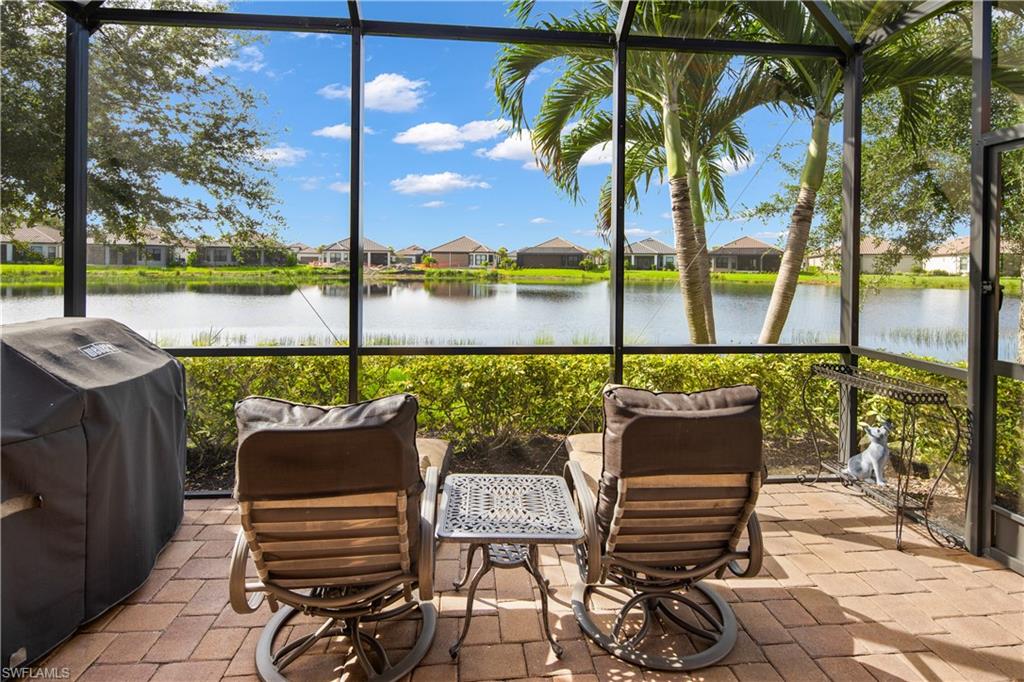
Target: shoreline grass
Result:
[[42, 275]]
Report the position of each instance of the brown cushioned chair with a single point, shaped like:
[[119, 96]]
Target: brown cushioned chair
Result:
[[339, 523], [676, 477]]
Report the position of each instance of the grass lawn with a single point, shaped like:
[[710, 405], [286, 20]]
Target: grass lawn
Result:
[[50, 275], [43, 274]]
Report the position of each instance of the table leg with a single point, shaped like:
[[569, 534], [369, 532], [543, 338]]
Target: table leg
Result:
[[533, 568], [470, 554], [481, 572]]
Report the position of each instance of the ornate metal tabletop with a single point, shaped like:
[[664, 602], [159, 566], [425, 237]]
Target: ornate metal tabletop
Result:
[[508, 508]]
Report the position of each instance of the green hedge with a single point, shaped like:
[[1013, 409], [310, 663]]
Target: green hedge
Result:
[[492, 402]]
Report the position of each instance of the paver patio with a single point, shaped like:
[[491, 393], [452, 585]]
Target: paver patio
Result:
[[835, 600]]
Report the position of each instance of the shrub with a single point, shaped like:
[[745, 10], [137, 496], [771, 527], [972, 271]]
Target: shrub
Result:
[[496, 402]]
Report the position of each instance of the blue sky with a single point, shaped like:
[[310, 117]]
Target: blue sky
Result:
[[438, 161]]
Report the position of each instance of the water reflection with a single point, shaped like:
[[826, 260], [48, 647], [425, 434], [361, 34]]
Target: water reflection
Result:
[[930, 322]]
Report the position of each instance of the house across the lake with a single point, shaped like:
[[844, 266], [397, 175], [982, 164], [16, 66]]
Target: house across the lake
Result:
[[32, 245], [152, 249], [304, 254], [554, 253], [877, 255], [411, 254], [745, 254], [650, 254], [463, 252], [374, 254]]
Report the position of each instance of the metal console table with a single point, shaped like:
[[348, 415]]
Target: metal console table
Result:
[[911, 395], [506, 517]]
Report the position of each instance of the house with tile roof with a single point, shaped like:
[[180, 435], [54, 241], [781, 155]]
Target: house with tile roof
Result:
[[411, 254], [953, 256], [745, 254], [650, 254], [152, 249], [463, 252], [554, 253], [877, 255], [304, 254], [32, 244], [374, 254]]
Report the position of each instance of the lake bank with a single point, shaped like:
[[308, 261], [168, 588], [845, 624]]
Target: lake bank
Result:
[[52, 275]]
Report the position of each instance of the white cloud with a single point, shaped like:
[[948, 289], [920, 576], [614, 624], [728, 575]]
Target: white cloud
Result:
[[735, 168], [433, 204], [436, 183], [335, 91], [250, 58], [515, 147], [310, 182], [641, 232], [341, 131], [443, 137], [595, 156], [539, 221], [391, 92], [340, 186], [282, 154], [667, 215], [770, 235]]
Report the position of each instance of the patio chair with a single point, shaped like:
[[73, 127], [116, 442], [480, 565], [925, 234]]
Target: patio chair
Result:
[[339, 522], [676, 477]]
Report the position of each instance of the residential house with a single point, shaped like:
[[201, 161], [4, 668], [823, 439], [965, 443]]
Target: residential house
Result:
[[219, 252], [650, 254], [152, 249], [411, 254], [304, 254], [554, 253], [463, 252], [32, 244], [374, 254], [745, 254], [954, 257], [876, 256]]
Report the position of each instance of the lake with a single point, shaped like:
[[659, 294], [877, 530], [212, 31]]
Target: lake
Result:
[[931, 322]]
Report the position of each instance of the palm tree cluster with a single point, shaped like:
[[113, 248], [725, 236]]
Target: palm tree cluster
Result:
[[684, 112]]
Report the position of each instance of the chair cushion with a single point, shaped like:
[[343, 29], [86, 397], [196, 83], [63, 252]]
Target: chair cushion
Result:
[[715, 431], [434, 452], [290, 450], [649, 434]]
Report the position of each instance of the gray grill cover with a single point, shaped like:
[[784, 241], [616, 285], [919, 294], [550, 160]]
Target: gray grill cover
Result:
[[92, 419]]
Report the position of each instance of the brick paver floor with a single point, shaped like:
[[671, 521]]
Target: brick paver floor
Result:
[[835, 601]]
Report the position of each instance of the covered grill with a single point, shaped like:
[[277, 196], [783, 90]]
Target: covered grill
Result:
[[92, 428]]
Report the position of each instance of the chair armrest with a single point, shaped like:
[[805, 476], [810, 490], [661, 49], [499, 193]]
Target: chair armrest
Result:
[[590, 565], [755, 552], [756, 548], [238, 588], [428, 518]]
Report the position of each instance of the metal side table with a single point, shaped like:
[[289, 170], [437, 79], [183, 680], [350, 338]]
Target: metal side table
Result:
[[506, 517]]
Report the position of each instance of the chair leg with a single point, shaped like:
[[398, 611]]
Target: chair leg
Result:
[[270, 664], [721, 632]]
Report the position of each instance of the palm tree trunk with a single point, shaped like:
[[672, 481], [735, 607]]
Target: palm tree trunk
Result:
[[682, 223], [687, 254], [703, 259], [799, 231]]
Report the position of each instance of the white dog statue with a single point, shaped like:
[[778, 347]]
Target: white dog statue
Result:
[[874, 457]]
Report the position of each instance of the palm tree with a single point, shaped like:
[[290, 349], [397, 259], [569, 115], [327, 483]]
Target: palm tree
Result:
[[909, 63], [681, 121]]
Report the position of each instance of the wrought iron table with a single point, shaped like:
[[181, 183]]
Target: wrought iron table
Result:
[[506, 516]]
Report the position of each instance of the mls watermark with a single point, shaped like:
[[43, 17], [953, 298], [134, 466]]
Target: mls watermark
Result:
[[43, 673]]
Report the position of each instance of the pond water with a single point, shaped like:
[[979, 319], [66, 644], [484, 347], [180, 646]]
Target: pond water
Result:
[[930, 322]]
